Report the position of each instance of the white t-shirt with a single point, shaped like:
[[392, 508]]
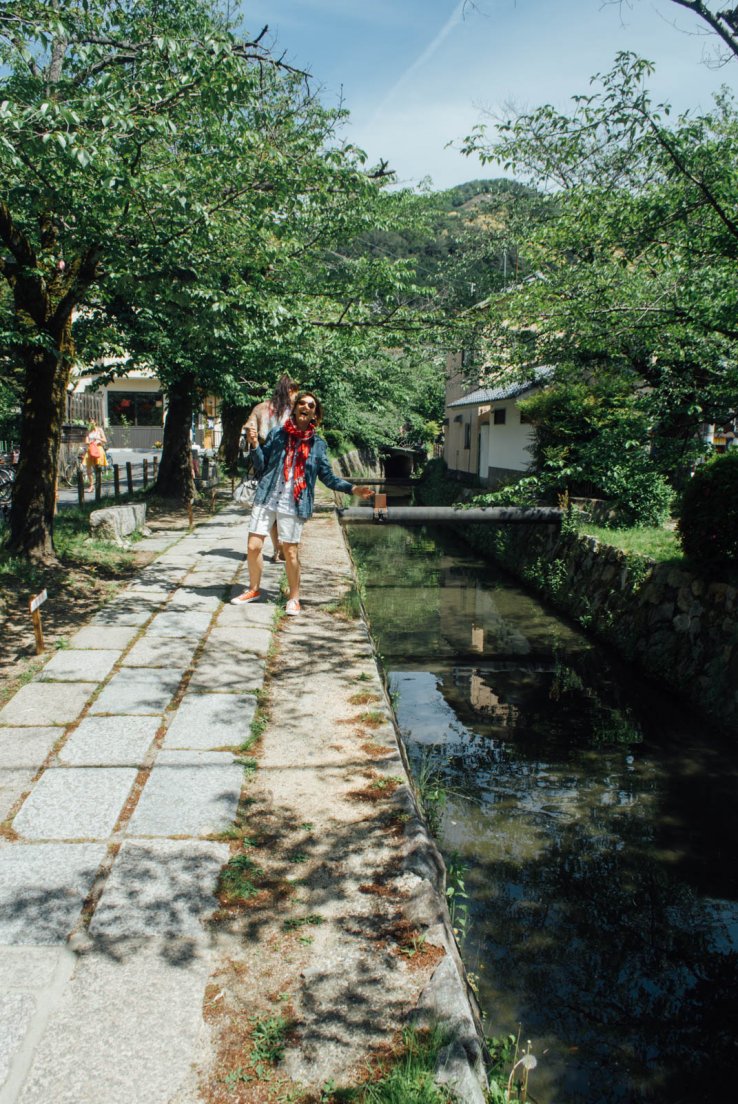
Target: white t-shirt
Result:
[[282, 498]]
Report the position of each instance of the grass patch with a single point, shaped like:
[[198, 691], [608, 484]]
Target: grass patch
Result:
[[661, 545], [314, 919], [238, 880], [372, 718], [364, 697], [407, 1079], [269, 1038]]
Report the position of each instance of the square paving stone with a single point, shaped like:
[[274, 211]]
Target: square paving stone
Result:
[[110, 741], [246, 638], [126, 1028], [14, 781], [47, 703], [95, 637], [75, 803], [227, 671], [151, 652], [207, 721], [16, 1012], [180, 623], [43, 887], [119, 615], [72, 665], [26, 747], [188, 793], [139, 690], [254, 613], [161, 887], [197, 598]]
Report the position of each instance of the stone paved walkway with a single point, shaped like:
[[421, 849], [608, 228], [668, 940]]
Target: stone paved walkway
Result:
[[119, 787], [117, 769]]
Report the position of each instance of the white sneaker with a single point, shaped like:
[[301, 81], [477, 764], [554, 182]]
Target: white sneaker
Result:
[[292, 609]]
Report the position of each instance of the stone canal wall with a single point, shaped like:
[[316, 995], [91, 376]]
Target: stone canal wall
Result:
[[675, 626], [672, 624]]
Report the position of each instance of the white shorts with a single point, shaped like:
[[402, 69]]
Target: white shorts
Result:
[[289, 526]]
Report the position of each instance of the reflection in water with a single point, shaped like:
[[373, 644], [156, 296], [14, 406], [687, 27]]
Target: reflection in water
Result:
[[596, 819]]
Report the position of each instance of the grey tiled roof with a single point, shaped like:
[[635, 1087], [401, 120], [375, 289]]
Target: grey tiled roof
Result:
[[498, 394]]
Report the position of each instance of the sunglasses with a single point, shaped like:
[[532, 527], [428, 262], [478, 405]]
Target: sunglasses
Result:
[[308, 405]]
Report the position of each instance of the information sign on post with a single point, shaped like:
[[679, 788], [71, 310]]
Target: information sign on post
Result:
[[33, 605]]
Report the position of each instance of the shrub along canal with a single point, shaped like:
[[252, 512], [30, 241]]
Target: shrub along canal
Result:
[[588, 822]]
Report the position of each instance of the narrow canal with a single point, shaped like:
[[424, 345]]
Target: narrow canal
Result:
[[588, 821]]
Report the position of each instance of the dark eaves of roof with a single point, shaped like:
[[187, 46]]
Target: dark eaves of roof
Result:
[[510, 391]]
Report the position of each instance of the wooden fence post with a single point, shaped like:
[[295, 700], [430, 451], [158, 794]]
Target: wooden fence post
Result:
[[80, 487], [98, 484], [156, 468], [116, 480], [145, 473], [129, 476]]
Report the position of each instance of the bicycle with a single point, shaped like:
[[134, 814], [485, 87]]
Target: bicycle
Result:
[[7, 478], [69, 470]]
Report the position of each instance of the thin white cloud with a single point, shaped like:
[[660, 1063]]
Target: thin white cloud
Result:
[[453, 21]]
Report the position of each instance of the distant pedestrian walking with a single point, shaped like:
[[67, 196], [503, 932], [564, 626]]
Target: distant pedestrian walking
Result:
[[290, 461], [95, 457]]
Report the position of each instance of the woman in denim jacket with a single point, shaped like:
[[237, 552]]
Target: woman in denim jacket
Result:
[[289, 462]]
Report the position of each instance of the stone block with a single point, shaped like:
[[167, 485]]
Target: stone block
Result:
[[14, 782], [188, 794], [117, 522], [180, 623], [73, 665], [255, 613], [247, 637], [208, 721], [160, 887], [75, 803], [42, 889], [229, 672], [139, 690], [26, 747], [125, 1029], [47, 703], [110, 741], [149, 652], [93, 637]]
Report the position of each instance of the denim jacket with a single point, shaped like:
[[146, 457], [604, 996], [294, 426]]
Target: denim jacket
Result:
[[269, 460]]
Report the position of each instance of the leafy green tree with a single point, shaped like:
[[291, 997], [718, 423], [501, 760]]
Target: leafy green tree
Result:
[[106, 112], [634, 255]]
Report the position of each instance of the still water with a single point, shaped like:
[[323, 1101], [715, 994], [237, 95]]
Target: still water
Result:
[[594, 821]]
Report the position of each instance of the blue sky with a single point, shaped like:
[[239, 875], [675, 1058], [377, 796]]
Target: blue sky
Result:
[[418, 74]]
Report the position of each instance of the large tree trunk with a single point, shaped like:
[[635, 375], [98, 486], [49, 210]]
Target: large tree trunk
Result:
[[34, 492], [232, 418], [175, 468]]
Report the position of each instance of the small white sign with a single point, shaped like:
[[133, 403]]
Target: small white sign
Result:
[[38, 601]]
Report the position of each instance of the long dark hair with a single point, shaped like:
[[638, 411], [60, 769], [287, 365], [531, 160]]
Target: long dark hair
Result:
[[281, 400]]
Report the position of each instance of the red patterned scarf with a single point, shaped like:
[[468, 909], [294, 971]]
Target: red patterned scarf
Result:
[[297, 452]]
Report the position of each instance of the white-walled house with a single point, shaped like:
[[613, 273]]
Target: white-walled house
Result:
[[486, 436]]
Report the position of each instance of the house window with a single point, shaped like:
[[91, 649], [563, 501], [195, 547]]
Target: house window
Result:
[[500, 416], [467, 435], [135, 408]]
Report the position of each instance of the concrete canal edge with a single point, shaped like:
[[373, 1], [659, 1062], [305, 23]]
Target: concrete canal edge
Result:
[[358, 946]]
